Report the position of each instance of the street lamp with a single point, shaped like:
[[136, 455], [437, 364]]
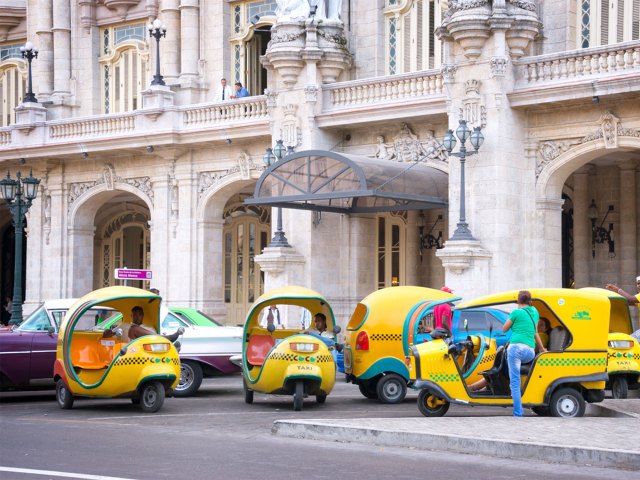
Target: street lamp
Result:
[[13, 192], [271, 156], [598, 232], [29, 52], [429, 240], [476, 138], [157, 30]]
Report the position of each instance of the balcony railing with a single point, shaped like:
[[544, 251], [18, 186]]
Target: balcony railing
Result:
[[373, 91], [578, 65], [139, 123]]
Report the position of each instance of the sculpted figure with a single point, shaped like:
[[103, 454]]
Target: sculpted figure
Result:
[[289, 9]]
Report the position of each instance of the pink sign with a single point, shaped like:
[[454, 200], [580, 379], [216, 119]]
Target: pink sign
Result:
[[132, 274]]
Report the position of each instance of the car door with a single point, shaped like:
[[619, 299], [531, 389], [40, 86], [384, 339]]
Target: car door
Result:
[[43, 348]]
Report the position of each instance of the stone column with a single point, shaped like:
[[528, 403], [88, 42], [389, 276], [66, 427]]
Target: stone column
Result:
[[626, 244], [546, 258], [43, 66], [581, 229], [210, 241], [190, 40], [80, 254], [170, 16], [62, 47]]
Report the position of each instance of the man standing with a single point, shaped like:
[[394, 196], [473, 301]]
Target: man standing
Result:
[[271, 315], [225, 92], [241, 92]]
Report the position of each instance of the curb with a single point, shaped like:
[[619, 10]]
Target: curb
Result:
[[597, 457]]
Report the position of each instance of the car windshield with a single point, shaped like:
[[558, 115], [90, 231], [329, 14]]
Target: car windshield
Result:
[[38, 321], [217, 324]]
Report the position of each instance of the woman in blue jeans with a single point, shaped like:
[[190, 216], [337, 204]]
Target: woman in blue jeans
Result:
[[524, 337]]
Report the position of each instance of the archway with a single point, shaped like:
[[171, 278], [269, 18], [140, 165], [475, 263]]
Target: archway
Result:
[[108, 228]]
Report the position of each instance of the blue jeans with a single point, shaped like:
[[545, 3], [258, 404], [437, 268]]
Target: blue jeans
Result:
[[517, 354]]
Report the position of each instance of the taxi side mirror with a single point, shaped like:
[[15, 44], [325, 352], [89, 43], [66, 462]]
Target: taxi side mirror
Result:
[[336, 329], [271, 327], [51, 330], [118, 332]]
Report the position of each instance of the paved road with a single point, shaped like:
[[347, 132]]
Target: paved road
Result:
[[216, 436]]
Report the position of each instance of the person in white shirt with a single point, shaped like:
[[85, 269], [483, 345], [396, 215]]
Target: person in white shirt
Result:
[[225, 92], [271, 315], [305, 319]]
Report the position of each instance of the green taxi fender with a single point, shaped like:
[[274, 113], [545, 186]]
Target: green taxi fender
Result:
[[386, 365]]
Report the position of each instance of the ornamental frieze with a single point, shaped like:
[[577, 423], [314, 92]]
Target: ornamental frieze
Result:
[[109, 179], [208, 180], [524, 4], [609, 131], [407, 147]]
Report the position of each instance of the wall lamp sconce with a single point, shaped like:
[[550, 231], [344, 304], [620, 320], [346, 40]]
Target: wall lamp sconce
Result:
[[85, 155], [595, 99], [598, 233], [150, 149], [428, 241], [228, 141]]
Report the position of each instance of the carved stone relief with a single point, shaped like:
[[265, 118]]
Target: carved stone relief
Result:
[[407, 147], [208, 180], [609, 131], [46, 208], [109, 179], [174, 199], [291, 134], [472, 110]]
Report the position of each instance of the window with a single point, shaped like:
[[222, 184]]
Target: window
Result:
[[410, 35], [38, 321], [605, 22], [476, 321], [390, 251], [13, 81], [172, 322], [124, 63]]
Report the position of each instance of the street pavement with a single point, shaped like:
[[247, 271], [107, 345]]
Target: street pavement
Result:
[[606, 437]]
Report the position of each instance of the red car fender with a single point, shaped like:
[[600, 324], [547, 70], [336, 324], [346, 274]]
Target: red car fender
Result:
[[58, 371]]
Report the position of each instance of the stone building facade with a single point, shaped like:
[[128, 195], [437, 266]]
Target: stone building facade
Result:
[[150, 176]]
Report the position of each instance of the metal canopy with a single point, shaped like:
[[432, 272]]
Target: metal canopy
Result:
[[334, 182]]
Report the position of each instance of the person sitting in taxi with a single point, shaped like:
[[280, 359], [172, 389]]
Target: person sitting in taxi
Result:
[[138, 329], [544, 327]]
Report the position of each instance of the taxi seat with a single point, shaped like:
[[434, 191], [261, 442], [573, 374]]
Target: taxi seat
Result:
[[258, 348], [557, 339]]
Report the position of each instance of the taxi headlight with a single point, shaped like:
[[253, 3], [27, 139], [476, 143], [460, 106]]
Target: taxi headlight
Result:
[[304, 347], [157, 347], [621, 344]]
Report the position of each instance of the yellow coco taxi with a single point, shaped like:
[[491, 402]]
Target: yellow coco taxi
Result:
[[279, 360], [556, 382], [624, 350], [380, 325], [90, 363]]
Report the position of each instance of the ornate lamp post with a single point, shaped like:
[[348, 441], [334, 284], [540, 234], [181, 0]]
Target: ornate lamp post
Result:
[[157, 30], [29, 52], [463, 133], [271, 156], [13, 192]]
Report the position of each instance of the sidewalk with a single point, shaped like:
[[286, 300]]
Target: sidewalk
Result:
[[607, 437]]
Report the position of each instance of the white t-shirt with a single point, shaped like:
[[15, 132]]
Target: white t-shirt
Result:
[[277, 320]]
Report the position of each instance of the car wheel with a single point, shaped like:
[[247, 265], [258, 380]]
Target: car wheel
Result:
[[619, 387], [368, 390], [391, 388], [321, 398], [152, 396], [430, 405], [190, 379], [298, 396], [567, 402], [248, 393], [63, 395], [541, 411]]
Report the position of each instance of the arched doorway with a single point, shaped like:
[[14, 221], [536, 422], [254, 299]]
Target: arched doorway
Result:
[[246, 233], [124, 241]]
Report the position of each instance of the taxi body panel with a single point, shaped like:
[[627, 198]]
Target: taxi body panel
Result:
[[288, 361], [91, 365], [575, 364]]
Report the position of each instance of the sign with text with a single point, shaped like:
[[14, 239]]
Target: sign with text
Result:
[[132, 274]]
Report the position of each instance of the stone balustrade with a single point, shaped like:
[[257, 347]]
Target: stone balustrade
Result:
[[115, 124], [375, 90], [578, 65], [251, 108], [139, 123]]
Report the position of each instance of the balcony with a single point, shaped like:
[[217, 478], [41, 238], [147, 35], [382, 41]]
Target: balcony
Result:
[[200, 123], [371, 100], [578, 74]]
